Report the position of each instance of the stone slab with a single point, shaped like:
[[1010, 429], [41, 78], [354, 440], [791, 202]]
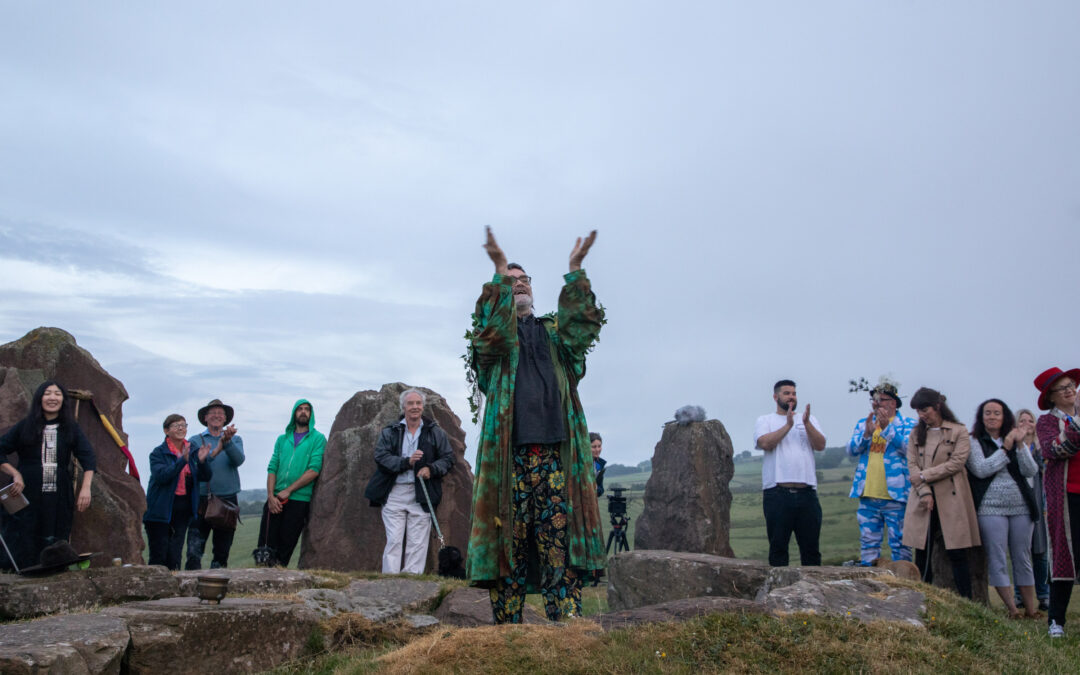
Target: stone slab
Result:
[[74, 643], [862, 599], [182, 635], [25, 597], [409, 594], [677, 610], [249, 580]]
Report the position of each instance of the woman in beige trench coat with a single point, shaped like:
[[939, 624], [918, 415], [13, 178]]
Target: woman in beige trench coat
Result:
[[940, 499]]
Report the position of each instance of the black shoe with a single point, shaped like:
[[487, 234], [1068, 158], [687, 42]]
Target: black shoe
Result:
[[1044, 606]]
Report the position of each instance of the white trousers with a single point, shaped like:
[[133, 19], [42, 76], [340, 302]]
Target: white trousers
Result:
[[406, 522]]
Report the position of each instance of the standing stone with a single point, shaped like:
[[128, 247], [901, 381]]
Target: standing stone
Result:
[[687, 500], [941, 567], [344, 532], [113, 523]]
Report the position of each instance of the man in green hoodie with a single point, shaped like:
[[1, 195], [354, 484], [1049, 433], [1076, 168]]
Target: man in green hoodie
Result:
[[294, 466]]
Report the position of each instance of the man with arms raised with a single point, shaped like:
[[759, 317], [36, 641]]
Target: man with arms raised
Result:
[[789, 478], [535, 523]]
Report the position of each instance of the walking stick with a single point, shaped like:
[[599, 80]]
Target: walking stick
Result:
[[431, 510], [10, 557]]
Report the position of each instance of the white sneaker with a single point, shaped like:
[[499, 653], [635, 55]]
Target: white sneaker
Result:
[[1056, 630]]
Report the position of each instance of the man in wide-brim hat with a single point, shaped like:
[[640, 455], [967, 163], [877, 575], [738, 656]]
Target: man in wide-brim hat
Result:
[[226, 455], [881, 482], [1059, 439]]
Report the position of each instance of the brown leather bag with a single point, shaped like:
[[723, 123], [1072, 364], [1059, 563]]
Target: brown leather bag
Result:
[[220, 514]]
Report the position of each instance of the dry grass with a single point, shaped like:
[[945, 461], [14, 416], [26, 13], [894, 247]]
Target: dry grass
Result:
[[353, 631], [499, 649]]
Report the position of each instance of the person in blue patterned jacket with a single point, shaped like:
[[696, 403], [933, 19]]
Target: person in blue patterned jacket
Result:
[[881, 481]]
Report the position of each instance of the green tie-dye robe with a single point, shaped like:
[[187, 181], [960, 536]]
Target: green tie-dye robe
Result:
[[494, 355]]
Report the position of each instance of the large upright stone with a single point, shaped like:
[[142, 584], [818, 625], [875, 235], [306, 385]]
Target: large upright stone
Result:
[[112, 525], [344, 532], [687, 500]]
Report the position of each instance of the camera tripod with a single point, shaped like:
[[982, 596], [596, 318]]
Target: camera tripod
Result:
[[618, 533]]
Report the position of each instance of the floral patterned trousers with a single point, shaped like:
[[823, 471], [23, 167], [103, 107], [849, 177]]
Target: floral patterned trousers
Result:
[[540, 527]]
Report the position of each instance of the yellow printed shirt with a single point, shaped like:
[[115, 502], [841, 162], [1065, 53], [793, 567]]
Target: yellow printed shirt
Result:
[[875, 487]]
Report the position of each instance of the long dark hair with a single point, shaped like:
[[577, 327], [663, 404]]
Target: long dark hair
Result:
[[926, 397], [978, 430], [34, 422]]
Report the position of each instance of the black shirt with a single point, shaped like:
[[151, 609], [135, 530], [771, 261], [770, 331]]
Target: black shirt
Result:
[[538, 410]]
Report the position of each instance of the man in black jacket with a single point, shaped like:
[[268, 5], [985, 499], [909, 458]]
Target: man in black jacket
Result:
[[412, 449]]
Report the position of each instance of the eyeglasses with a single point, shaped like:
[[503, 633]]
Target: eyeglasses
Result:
[[1064, 387], [178, 425], [525, 279]]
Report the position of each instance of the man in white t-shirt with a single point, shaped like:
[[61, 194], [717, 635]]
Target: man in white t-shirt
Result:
[[789, 478]]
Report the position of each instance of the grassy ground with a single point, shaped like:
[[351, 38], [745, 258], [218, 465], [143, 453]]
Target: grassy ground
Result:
[[960, 637]]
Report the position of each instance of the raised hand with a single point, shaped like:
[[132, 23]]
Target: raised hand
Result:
[[806, 416], [581, 248], [868, 428], [494, 252]]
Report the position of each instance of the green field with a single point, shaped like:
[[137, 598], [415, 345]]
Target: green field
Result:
[[244, 542], [839, 530]]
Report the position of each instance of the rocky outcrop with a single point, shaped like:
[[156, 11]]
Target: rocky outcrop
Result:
[[344, 532], [250, 580], [942, 570], [687, 500], [654, 579], [678, 610], [24, 597], [79, 643], [112, 525], [862, 599], [376, 600], [238, 635]]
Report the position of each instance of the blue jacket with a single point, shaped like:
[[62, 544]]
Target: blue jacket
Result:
[[226, 479], [896, 469], [165, 471]]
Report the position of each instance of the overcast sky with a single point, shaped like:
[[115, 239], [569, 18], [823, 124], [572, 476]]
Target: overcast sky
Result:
[[265, 201]]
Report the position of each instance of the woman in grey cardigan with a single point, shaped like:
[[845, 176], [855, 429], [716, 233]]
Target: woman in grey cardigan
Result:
[[1004, 500]]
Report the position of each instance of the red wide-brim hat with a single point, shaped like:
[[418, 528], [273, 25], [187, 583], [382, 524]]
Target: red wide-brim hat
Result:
[[1046, 380]]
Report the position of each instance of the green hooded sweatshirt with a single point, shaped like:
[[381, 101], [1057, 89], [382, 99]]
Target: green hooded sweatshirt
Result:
[[290, 461]]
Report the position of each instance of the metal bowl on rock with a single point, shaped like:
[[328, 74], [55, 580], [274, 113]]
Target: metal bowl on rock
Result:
[[211, 589]]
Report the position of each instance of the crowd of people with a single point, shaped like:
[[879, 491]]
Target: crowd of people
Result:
[[1007, 485]]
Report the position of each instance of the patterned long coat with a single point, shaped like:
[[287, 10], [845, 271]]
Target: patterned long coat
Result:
[[572, 331], [1060, 443]]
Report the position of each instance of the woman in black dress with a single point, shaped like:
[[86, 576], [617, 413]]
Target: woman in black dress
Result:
[[45, 441]]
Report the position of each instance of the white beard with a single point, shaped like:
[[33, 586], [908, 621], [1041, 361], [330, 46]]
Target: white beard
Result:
[[523, 301]]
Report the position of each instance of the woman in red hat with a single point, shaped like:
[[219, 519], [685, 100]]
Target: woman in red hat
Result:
[[1059, 437]]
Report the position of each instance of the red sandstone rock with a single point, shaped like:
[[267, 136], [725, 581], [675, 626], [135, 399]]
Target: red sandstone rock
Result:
[[344, 532], [113, 523]]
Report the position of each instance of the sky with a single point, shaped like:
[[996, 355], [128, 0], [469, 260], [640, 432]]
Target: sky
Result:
[[262, 201]]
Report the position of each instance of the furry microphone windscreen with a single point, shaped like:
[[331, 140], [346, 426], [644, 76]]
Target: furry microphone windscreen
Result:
[[689, 413]]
